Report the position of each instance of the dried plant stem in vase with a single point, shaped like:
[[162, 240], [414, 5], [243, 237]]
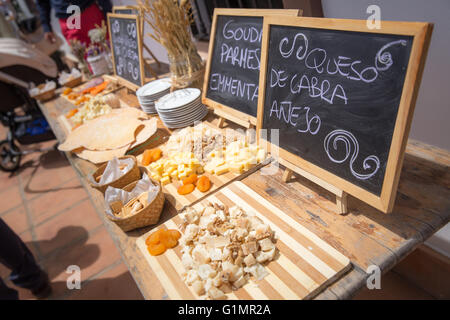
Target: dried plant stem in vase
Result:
[[171, 22]]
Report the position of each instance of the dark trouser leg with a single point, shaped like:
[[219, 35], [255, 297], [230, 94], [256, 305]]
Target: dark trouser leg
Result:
[[15, 255], [7, 293]]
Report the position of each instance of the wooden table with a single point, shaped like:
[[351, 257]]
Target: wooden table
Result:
[[365, 235]]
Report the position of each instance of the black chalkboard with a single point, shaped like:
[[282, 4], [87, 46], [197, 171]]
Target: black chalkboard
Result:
[[235, 63], [126, 48], [335, 95]]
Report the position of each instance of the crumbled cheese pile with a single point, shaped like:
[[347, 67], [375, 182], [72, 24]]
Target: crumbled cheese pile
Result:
[[200, 140], [91, 109], [222, 248]]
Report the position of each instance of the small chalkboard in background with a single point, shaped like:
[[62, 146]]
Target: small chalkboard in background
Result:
[[232, 69], [126, 47], [342, 97]]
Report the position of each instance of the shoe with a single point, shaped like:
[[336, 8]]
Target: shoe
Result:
[[44, 290]]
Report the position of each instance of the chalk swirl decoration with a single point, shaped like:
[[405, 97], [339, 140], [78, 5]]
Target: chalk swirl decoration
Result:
[[384, 57], [349, 141]]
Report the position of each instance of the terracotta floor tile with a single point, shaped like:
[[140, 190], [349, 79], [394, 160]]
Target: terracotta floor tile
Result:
[[92, 256], [50, 203], [10, 198], [16, 219], [7, 180], [115, 284], [45, 175], [67, 227]]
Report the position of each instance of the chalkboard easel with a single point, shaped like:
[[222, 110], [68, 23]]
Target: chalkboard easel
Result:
[[126, 48], [138, 11], [354, 145], [223, 110]]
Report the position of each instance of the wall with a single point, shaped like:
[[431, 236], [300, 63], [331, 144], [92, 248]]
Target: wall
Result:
[[430, 122]]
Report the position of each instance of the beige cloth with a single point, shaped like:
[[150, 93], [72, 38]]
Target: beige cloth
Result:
[[17, 52]]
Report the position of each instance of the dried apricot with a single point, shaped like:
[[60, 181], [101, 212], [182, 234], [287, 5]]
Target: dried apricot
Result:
[[168, 241], [151, 155], [147, 157], [203, 184], [155, 237], [186, 189], [174, 233], [191, 179], [156, 249], [156, 154], [71, 113], [67, 91]]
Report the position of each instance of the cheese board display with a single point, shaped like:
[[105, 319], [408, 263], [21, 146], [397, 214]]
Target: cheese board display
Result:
[[201, 152], [302, 266]]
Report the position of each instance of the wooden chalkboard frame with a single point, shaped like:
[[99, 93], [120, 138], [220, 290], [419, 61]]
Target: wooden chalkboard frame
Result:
[[225, 111], [124, 81], [421, 33]]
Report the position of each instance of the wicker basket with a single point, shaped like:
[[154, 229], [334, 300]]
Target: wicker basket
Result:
[[44, 96], [132, 175], [73, 83], [146, 216]]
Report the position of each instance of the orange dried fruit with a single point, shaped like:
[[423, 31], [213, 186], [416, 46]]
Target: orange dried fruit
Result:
[[156, 249], [151, 155], [191, 179], [155, 237], [156, 154], [203, 184], [174, 233], [168, 241], [67, 91], [186, 189], [71, 113], [147, 157]]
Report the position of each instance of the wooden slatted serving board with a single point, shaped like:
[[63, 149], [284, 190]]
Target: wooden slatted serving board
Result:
[[304, 267]]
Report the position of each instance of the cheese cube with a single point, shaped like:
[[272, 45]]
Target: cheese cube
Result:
[[174, 174], [221, 169], [182, 175], [165, 180], [210, 167], [188, 172], [200, 170], [261, 155], [236, 167]]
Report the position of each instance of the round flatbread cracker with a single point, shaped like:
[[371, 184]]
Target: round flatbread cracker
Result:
[[107, 132]]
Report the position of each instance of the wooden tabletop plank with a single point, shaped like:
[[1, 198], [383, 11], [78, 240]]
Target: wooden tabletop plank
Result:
[[365, 235]]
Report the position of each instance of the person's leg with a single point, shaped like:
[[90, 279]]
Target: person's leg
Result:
[[7, 293], [25, 272]]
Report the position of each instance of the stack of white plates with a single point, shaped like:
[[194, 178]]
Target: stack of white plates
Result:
[[181, 108], [152, 91]]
